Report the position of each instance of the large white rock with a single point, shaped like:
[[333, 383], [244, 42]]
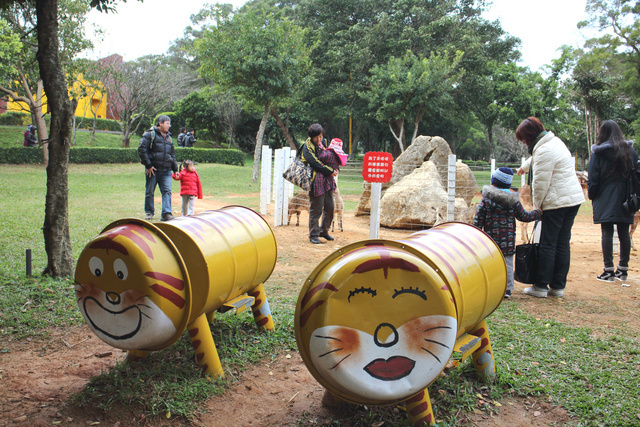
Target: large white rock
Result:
[[423, 148], [419, 200]]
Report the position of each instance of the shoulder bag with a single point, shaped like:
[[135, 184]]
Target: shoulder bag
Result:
[[299, 173], [526, 260]]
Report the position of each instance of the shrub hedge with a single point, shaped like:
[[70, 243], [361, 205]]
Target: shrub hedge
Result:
[[16, 118], [22, 155]]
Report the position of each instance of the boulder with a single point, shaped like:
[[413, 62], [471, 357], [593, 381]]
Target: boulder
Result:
[[466, 184], [419, 200], [423, 148]]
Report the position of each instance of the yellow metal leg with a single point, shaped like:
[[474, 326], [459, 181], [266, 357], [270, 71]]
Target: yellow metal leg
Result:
[[136, 355], [483, 356], [260, 308], [205, 348], [420, 410]]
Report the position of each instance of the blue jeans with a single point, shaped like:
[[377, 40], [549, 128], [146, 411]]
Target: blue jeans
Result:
[[163, 180], [554, 256]]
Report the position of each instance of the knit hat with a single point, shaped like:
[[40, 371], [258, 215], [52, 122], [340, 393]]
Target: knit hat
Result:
[[502, 177], [336, 146]]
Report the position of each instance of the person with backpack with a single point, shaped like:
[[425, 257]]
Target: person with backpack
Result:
[[190, 138], [181, 135], [157, 154], [30, 139], [612, 161]]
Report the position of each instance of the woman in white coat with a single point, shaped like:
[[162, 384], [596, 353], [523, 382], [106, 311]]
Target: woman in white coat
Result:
[[556, 191]]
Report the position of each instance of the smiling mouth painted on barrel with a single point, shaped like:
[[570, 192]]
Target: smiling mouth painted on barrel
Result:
[[104, 319]]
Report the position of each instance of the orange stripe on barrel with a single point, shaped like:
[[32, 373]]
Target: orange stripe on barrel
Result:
[[169, 295]]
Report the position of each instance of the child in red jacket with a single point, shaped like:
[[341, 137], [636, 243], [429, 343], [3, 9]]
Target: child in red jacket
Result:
[[190, 186]]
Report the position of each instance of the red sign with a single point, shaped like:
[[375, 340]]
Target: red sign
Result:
[[377, 167]]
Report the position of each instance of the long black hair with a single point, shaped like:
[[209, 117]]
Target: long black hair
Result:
[[611, 132]]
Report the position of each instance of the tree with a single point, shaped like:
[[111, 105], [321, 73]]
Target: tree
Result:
[[140, 89], [404, 88], [227, 108], [262, 59], [28, 87], [618, 21], [56, 221]]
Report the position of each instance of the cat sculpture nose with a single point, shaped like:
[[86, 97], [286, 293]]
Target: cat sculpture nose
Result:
[[383, 331], [113, 298]]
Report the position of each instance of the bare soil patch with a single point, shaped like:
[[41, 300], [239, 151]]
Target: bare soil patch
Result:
[[37, 378]]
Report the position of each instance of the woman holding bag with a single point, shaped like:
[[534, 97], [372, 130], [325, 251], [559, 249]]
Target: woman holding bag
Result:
[[324, 167], [556, 191], [611, 163]]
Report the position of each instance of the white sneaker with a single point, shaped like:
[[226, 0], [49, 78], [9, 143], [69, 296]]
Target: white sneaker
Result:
[[536, 292], [555, 293]]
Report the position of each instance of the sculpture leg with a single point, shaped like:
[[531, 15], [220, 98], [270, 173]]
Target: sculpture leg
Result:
[[420, 410], [136, 355], [260, 308], [205, 348], [483, 356]]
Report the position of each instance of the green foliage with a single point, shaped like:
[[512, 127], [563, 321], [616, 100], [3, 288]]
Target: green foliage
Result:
[[196, 110], [10, 47], [223, 156], [18, 118], [21, 155], [28, 155], [256, 55], [404, 88]]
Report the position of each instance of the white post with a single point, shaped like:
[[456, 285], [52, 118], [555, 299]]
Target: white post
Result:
[[451, 188], [493, 166], [374, 225], [278, 186], [265, 179], [522, 180], [289, 187]]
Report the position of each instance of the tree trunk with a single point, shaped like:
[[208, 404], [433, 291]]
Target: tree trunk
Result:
[[284, 128], [57, 240], [258, 151], [399, 137]]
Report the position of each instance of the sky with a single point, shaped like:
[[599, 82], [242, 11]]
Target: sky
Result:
[[139, 29]]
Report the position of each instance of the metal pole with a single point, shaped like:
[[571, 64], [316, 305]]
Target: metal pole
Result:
[[28, 261]]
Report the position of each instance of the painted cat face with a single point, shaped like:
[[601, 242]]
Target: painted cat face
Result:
[[130, 289], [377, 324]]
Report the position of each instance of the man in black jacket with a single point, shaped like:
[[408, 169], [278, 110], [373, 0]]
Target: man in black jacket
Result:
[[190, 138], [157, 154]]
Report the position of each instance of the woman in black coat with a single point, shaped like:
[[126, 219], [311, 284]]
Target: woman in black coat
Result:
[[611, 163]]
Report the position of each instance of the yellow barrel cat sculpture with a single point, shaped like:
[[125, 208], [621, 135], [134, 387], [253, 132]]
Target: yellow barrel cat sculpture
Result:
[[377, 321], [140, 285]]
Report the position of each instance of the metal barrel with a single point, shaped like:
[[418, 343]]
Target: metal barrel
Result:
[[139, 284], [227, 252], [377, 320], [472, 264]]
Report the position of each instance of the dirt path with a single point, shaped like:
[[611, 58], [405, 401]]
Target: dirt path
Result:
[[37, 378]]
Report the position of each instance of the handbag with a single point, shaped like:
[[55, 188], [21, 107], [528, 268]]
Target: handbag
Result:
[[526, 260], [299, 173]]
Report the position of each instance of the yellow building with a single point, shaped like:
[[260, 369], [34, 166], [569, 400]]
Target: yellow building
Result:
[[91, 98]]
